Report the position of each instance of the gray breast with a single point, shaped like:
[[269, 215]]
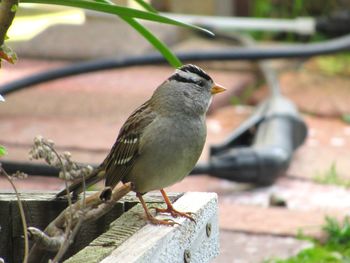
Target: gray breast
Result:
[[169, 152]]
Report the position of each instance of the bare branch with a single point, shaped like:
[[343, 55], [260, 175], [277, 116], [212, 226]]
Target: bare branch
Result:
[[61, 232], [50, 243], [68, 241], [72, 219], [95, 206]]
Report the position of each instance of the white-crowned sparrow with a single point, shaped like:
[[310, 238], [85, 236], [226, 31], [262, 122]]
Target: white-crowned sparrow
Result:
[[161, 141]]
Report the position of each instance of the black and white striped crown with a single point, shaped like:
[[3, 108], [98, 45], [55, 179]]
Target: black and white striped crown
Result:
[[190, 74]]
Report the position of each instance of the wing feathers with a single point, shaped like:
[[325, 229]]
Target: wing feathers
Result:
[[120, 160]]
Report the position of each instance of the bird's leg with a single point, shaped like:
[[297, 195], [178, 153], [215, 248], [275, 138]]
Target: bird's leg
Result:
[[151, 218], [171, 210]]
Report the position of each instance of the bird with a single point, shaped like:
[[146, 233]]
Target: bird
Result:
[[161, 141]]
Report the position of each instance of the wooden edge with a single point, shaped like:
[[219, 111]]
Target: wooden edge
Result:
[[199, 241], [120, 230], [40, 196]]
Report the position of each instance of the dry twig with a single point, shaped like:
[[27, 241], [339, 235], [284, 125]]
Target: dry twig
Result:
[[21, 211], [44, 149], [61, 232], [96, 205]]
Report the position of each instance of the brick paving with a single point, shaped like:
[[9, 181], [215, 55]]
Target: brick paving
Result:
[[315, 93], [82, 114], [248, 248]]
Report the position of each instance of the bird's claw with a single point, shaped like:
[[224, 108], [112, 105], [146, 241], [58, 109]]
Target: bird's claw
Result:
[[167, 222], [174, 213]]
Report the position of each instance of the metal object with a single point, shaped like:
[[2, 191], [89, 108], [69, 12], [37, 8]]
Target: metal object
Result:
[[335, 24], [300, 25], [261, 149], [208, 229]]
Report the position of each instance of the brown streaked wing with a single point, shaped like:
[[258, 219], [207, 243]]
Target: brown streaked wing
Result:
[[126, 148]]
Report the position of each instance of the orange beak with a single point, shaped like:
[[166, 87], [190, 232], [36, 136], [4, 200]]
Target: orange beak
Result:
[[217, 89]]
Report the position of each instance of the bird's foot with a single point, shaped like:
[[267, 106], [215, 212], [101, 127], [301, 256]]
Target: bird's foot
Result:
[[171, 210], [155, 221], [174, 213], [151, 218]]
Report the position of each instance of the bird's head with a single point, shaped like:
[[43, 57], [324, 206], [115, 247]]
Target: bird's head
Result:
[[193, 86]]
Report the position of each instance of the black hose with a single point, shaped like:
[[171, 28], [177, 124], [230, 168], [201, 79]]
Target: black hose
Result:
[[76, 69], [239, 53], [30, 168]]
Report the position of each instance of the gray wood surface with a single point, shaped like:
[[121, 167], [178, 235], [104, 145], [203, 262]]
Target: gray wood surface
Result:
[[5, 231], [42, 208], [131, 239]]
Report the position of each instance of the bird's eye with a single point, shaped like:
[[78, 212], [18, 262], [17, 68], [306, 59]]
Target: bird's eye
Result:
[[200, 83]]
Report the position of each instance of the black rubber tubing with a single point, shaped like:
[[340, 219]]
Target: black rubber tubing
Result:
[[239, 53]]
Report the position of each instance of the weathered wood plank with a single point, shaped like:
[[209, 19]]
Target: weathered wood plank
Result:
[[121, 229], [170, 244], [47, 196], [42, 208], [38, 214], [5, 231], [131, 239]]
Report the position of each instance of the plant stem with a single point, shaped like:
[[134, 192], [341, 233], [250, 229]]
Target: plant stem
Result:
[[21, 211], [7, 14], [103, 6]]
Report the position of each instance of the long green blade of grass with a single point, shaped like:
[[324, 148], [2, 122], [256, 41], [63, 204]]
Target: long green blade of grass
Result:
[[117, 10], [156, 42]]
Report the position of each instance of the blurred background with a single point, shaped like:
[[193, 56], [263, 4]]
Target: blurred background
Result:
[[82, 114]]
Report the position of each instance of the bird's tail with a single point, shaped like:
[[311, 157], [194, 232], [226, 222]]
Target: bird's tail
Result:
[[78, 187]]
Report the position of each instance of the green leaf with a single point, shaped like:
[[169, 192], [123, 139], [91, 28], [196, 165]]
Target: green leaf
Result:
[[157, 43], [14, 8], [2, 151], [117, 10], [346, 118], [7, 54]]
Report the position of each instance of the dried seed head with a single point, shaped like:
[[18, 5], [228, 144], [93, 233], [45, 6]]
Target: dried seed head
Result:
[[19, 175], [67, 155], [38, 139]]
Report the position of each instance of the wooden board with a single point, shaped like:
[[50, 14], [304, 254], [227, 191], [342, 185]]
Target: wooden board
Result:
[[42, 208], [131, 239]]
